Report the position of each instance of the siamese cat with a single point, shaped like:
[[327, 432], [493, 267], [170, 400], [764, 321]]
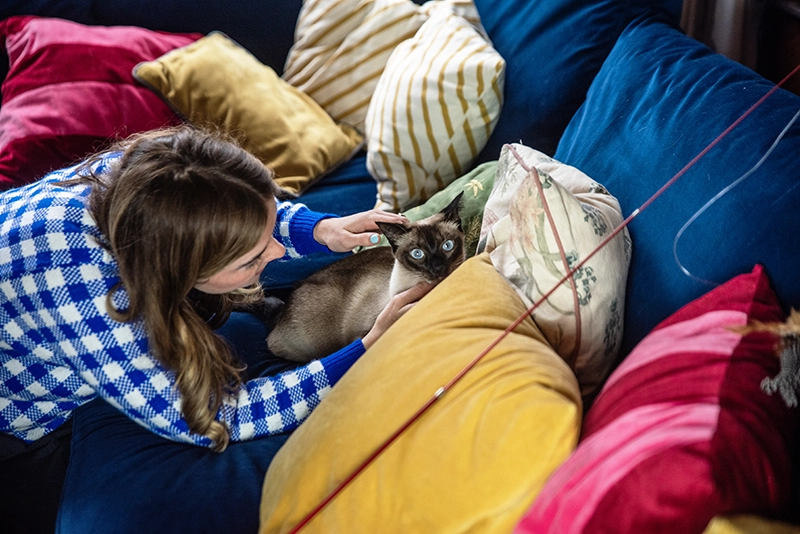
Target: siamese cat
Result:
[[339, 304]]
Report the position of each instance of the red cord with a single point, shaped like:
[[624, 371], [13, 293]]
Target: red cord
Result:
[[310, 516], [561, 252]]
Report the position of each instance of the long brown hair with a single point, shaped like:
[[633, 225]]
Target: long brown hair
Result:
[[180, 205]]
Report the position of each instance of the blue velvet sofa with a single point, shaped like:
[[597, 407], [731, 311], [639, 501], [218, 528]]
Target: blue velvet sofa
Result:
[[611, 87]]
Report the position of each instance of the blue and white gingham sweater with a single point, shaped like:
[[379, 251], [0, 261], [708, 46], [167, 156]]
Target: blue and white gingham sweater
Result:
[[59, 348]]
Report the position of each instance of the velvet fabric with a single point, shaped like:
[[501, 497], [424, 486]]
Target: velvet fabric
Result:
[[553, 49], [264, 27], [658, 101], [473, 461], [69, 92], [681, 431], [123, 478], [216, 83]]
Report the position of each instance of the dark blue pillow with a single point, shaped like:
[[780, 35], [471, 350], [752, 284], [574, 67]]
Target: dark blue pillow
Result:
[[123, 478], [553, 49], [76, 10], [263, 27], [659, 100]]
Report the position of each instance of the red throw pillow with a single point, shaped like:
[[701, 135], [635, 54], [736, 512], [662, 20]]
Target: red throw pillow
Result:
[[69, 92], [681, 431]]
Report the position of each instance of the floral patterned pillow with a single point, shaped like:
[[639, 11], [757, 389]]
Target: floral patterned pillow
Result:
[[543, 218]]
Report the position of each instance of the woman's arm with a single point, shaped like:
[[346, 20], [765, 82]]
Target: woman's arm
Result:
[[303, 231], [115, 363], [64, 345], [276, 404], [294, 229]]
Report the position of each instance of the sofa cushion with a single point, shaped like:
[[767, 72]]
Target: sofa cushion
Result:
[[552, 50], [473, 462], [69, 92], [659, 100], [749, 524], [541, 219], [434, 107], [264, 27], [215, 82], [342, 47], [681, 431], [123, 478]]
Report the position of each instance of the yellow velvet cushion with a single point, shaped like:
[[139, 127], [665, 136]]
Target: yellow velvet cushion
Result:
[[214, 81], [748, 524], [474, 462]]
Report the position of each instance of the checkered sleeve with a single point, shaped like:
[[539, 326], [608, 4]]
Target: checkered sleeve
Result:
[[146, 392], [271, 405], [294, 228], [60, 347]]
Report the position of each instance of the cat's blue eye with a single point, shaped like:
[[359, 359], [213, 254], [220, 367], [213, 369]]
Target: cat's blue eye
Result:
[[447, 246], [417, 254]]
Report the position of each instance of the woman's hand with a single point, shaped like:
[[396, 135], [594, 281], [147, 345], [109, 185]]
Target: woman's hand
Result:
[[397, 307], [343, 234]]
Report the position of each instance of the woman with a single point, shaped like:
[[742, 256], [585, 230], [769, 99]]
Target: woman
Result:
[[114, 274]]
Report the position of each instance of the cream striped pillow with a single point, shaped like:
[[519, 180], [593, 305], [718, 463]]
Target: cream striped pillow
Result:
[[341, 48], [434, 107]]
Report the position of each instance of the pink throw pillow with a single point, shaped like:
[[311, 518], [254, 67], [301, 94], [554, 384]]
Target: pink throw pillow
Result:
[[69, 92], [681, 431]]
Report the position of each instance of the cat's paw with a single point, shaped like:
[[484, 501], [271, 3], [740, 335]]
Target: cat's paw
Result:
[[267, 310]]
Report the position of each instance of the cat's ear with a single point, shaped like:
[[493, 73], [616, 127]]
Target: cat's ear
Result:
[[393, 232], [451, 211]]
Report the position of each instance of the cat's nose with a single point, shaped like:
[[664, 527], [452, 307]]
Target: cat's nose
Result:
[[439, 269]]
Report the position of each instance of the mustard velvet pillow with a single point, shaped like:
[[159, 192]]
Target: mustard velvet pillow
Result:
[[749, 524], [216, 82], [474, 462]]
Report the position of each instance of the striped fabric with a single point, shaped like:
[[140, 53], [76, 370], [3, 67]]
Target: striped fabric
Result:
[[341, 48], [681, 431], [434, 107]]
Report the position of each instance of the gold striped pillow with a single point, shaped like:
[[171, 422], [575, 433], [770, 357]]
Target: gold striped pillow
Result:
[[341, 48], [434, 108]]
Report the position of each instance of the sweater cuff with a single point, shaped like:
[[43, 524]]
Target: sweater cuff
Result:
[[301, 228], [338, 363]]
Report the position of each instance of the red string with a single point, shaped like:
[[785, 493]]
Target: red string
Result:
[[561, 252], [437, 395]]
